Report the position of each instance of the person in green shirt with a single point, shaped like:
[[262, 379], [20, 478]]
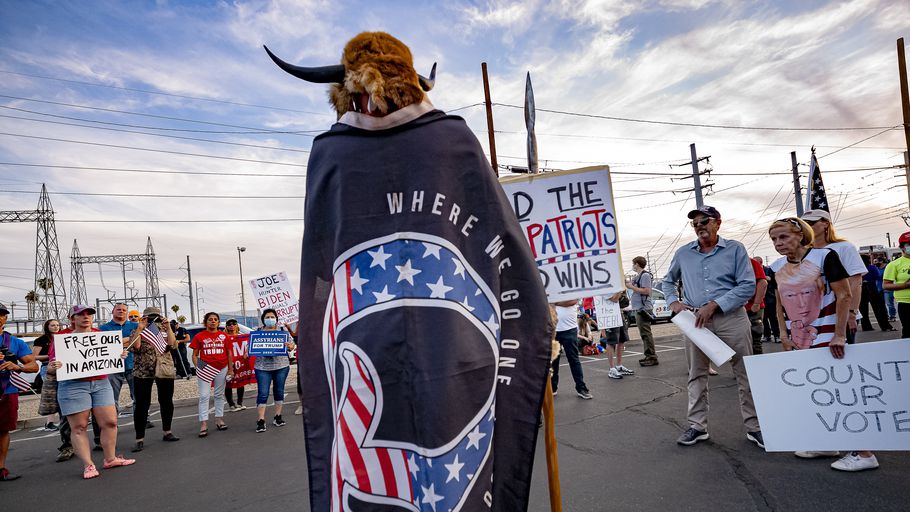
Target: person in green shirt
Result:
[[897, 279]]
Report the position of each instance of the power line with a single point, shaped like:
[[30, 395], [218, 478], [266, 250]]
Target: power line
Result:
[[183, 221], [700, 125], [166, 196], [173, 95], [153, 171], [135, 148]]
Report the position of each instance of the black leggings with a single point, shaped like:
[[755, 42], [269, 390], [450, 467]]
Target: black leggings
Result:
[[229, 395], [903, 313], [144, 401]]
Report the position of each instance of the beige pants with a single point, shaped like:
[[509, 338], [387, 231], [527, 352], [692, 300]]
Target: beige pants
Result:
[[734, 329]]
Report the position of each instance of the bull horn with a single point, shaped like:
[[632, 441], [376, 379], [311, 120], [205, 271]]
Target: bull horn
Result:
[[425, 83], [320, 75]]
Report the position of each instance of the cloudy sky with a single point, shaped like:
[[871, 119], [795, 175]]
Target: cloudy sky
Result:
[[94, 92]]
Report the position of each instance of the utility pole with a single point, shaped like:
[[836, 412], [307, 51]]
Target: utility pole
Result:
[[696, 176], [189, 285], [199, 300], [797, 193], [888, 236], [907, 173], [489, 105], [242, 285], [905, 103]]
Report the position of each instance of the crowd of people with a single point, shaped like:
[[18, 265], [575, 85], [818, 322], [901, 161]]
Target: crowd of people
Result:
[[819, 291], [153, 355], [817, 295]]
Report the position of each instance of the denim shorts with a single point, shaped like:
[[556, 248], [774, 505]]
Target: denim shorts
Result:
[[76, 396]]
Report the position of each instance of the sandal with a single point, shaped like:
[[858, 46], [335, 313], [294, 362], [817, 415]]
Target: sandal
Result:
[[90, 472], [204, 432], [221, 427], [118, 461]]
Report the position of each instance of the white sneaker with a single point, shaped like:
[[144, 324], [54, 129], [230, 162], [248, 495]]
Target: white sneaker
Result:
[[624, 371], [853, 462], [614, 374], [815, 455], [299, 410]]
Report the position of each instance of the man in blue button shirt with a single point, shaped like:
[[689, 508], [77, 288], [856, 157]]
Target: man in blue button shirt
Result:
[[718, 280], [119, 322]]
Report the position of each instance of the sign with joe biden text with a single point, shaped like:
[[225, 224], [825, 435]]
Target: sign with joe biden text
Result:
[[569, 220], [274, 291]]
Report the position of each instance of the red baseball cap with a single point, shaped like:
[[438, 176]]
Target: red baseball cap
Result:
[[79, 308]]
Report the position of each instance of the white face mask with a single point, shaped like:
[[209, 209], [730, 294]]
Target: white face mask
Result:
[[270, 322]]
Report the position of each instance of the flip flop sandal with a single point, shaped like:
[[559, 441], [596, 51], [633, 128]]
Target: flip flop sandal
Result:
[[90, 472], [204, 432], [221, 427], [119, 461]]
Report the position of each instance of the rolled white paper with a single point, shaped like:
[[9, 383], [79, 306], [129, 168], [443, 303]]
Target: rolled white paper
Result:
[[708, 342]]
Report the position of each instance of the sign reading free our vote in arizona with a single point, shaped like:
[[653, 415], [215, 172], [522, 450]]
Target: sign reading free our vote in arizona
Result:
[[569, 220], [269, 343], [275, 291], [88, 354], [807, 400]]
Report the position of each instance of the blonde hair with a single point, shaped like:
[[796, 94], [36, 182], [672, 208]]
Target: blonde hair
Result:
[[795, 225], [831, 234]]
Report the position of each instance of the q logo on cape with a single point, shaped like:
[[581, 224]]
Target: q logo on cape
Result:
[[411, 344]]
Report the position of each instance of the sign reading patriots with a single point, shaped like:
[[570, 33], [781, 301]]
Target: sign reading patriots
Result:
[[569, 220], [424, 341], [816, 198]]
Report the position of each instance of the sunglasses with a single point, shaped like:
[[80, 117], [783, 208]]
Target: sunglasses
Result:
[[795, 222], [702, 222]]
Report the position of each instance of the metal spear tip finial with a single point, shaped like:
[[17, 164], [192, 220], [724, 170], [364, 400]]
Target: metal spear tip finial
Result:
[[427, 83]]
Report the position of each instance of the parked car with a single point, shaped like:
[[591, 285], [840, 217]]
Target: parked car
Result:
[[662, 311]]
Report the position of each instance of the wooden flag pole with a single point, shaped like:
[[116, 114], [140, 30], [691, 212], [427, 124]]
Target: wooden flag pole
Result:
[[489, 105], [549, 427]]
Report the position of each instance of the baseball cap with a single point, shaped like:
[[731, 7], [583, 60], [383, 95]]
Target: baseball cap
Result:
[[708, 211], [814, 215], [79, 308], [3, 309], [151, 310], [133, 312]]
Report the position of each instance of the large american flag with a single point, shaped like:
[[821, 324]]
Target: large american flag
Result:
[[387, 273], [206, 372], [816, 198], [153, 335]]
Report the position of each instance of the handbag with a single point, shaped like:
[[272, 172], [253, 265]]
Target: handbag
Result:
[[47, 403], [164, 366]]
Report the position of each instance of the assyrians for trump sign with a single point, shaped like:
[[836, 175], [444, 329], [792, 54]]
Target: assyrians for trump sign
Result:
[[807, 400], [569, 220], [275, 291], [88, 354]]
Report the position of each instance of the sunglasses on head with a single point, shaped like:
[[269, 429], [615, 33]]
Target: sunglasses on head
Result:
[[701, 222]]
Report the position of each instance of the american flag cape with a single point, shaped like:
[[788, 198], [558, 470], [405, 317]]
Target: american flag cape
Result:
[[816, 197], [153, 335], [424, 346], [206, 372]]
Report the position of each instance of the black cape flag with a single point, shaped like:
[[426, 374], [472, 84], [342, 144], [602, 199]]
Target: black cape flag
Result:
[[424, 340]]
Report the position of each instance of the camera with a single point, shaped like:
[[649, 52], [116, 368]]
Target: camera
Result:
[[9, 356], [153, 318]]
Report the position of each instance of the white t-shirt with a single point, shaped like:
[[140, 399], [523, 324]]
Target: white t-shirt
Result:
[[849, 257], [566, 318]]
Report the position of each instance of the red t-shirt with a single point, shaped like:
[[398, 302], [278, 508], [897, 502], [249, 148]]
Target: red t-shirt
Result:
[[52, 355], [211, 347], [759, 275]]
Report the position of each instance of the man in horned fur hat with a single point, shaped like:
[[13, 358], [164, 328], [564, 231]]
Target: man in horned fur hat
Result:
[[424, 340]]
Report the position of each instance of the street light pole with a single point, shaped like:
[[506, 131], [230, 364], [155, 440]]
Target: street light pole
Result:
[[242, 294]]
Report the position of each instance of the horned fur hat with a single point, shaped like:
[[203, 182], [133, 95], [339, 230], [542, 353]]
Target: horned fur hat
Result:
[[376, 72]]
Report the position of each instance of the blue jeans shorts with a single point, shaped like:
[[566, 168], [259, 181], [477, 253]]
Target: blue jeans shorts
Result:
[[76, 396]]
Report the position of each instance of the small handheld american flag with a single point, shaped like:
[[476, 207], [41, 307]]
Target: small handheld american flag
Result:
[[206, 372], [153, 335], [16, 379]]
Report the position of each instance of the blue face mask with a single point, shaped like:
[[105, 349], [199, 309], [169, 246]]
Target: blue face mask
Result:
[[270, 322], [907, 249]]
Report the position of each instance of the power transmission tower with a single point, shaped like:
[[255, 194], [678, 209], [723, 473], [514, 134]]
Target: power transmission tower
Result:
[[49, 286], [152, 296]]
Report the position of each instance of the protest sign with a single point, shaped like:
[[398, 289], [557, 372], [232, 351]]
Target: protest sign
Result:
[[608, 313], [88, 354], [244, 374], [275, 291], [708, 342], [269, 343], [569, 220], [807, 400]]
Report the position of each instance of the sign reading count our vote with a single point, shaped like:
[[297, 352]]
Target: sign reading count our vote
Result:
[[807, 400], [88, 354], [269, 343], [569, 220]]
